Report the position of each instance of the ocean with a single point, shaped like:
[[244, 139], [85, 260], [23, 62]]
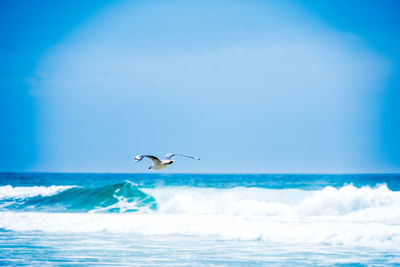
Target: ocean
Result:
[[157, 219]]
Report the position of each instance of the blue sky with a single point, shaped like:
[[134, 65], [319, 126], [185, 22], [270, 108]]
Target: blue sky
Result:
[[249, 86]]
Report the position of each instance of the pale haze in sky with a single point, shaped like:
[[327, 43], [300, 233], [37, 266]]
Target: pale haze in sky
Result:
[[247, 86]]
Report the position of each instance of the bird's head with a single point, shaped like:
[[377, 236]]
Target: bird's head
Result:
[[169, 162]]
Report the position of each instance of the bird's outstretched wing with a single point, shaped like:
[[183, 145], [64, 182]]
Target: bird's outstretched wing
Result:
[[172, 155], [153, 158]]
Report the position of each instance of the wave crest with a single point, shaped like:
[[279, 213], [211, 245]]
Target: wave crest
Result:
[[346, 216], [121, 197], [243, 201], [8, 191], [348, 199]]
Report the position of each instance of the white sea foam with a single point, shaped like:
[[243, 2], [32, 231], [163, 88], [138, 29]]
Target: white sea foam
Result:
[[9, 191], [268, 202], [348, 216]]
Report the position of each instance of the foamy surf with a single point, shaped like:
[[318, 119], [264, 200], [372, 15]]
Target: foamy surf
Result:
[[323, 231], [346, 216], [9, 191], [243, 201]]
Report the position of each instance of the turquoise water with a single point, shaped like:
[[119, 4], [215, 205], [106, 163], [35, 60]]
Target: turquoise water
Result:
[[199, 219]]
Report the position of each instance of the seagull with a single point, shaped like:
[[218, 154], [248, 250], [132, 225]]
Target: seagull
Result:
[[161, 164]]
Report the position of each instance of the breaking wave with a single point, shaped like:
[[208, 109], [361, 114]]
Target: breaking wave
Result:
[[122, 197], [346, 216]]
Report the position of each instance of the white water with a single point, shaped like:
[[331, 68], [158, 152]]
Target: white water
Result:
[[349, 216], [9, 191], [379, 202]]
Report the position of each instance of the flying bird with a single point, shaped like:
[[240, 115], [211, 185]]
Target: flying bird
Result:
[[161, 164]]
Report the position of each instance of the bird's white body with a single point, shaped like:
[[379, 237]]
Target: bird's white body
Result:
[[161, 164]]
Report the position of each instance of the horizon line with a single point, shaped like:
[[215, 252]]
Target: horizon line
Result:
[[209, 173]]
